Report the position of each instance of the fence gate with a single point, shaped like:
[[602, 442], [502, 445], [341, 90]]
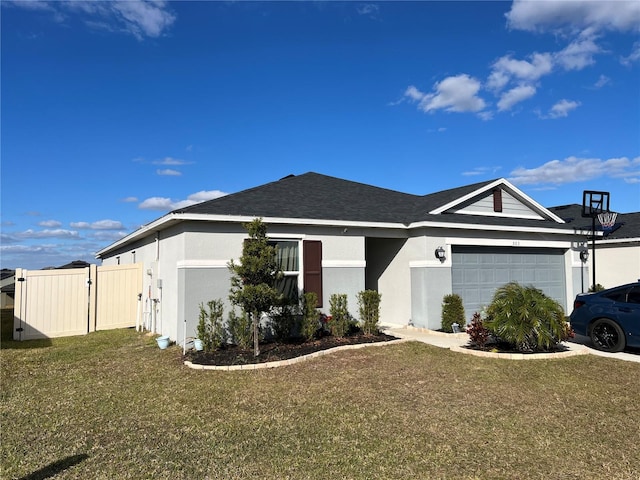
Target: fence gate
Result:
[[59, 303], [117, 290], [51, 303]]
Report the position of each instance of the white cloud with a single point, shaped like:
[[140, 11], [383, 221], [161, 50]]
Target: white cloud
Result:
[[481, 171], [156, 203], [413, 93], [369, 9], [55, 233], [578, 54], [140, 18], [169, 172], [515, 95], [23, 248], [524, 73], [108, 236], [507, 68], [144, 18], [602, 81], [575, 169], [453, 94], [633, 57], [562, 108], [130, 199], [164, 203], [99, 225], [50, 224], [535, 15], [29, 5], [170, 161]]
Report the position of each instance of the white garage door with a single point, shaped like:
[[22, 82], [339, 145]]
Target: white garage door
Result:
[[478, 271]]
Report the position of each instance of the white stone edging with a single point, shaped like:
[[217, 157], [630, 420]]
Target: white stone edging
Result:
[[520, 356]]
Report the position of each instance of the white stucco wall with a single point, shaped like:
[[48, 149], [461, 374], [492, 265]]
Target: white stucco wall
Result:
[[617, 264]]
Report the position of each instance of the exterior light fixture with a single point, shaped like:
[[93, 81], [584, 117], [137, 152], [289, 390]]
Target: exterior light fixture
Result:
[[584, 255], [440, 254]]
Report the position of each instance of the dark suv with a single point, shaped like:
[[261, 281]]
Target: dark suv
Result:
[[610, 317]]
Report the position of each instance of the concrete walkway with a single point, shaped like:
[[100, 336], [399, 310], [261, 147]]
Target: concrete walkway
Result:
[[437, 339], [577, 346]]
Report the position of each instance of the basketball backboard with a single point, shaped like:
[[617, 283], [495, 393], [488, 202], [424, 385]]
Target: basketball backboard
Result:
[[594, 203]]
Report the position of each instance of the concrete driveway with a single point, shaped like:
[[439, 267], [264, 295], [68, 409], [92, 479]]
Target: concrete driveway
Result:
[[629, 355], [448, 340]]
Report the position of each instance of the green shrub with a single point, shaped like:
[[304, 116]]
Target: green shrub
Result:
[[239, 327], [282, 321], [452, 312], [340, 318], [597, 288], [211, 326], [526, 319], [369, 309], [309, 315]]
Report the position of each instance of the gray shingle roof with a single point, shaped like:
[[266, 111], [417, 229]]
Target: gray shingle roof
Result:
[[314, 196], [321, 197], [627, 225]]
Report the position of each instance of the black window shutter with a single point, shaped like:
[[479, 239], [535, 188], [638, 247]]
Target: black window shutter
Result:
[[312, 266]]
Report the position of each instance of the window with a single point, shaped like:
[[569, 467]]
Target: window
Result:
[[618, 295], [634, 295], [295, 280], [287, 257]]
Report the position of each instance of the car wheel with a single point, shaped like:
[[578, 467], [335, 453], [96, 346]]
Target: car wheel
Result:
[[607, 335]]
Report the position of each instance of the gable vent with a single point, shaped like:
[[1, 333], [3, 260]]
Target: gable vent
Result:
[[497, 200]]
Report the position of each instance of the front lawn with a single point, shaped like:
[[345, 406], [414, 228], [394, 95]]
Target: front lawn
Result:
[[113, 405]]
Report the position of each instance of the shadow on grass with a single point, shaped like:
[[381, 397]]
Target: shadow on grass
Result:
[[55, 468], [6, 334]]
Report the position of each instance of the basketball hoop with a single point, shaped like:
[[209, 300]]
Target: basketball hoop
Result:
[[607, 220]]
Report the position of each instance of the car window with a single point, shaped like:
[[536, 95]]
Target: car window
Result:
[[634, 295], [617, 295]]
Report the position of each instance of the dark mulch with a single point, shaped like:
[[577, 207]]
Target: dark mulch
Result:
[[503, 347], [275, 351]]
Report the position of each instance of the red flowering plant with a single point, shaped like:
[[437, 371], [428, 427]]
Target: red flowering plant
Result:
[[478, 333], [324, 323]]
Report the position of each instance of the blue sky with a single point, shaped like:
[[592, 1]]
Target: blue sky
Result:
[[114, 113]]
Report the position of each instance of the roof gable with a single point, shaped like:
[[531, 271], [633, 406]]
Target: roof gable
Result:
[[479, 199]]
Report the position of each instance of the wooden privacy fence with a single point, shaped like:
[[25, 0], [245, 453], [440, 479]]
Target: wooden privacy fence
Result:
[[60, 303]]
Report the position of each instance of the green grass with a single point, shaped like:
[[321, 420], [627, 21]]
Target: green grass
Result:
[[112, 405]]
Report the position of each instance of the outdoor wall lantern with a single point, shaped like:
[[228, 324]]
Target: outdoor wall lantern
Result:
[[440, 254], [584, 255]]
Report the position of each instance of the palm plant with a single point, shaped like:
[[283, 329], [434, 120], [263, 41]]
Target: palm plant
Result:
[[524, 317]]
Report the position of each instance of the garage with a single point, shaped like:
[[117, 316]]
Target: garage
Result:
[[478, 271]]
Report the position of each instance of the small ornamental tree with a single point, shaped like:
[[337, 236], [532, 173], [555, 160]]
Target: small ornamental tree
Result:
[[452, 312], [253, 278]]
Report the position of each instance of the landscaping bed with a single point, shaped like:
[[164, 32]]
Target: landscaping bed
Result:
[[276, 351]]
